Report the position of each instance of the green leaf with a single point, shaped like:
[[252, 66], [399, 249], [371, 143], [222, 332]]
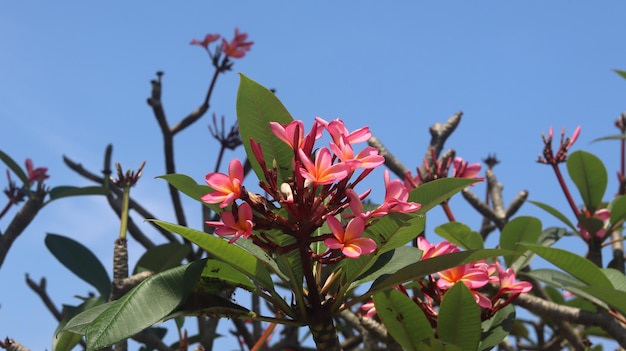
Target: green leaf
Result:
[[434, 193], [187, 185], [553, 211], [389, 263], [620, 72], [403, 318], [618, 209], [459, 318], [66, 340], [520, 229], [257, 106], [579, 267], [564, 281], [162, 257], [137, 310], [64, 191], [610, 137], [589, 174], [222, 250], [497, 328], [460, 235], [431, 266], [617, 278], [80, 261], [14, 167], [83, 320], [614, 298], [226, 275]]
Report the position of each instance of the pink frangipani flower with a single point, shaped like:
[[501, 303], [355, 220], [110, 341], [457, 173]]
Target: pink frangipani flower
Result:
[[430, 250], [242, 226], [349, 240], [337, 129], [35, 174], [396, 196], [602, 214], [208, 39], [237, 47], [322, 171], [508, 285], [367, 158], [462, 169], [227, 187], [472, 276]]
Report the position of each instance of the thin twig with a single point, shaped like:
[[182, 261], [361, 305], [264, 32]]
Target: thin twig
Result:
[[40, 290]]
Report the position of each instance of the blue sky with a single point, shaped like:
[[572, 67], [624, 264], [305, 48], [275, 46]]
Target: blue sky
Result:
[[74, 77]]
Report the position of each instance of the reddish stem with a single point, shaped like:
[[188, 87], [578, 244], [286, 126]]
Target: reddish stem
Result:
[[448, 211], [568, 195]]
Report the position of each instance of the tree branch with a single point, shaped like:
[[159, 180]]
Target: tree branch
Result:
[[40, 290]]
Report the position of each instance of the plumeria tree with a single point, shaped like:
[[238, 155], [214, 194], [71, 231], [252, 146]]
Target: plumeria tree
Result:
[[293, 227]]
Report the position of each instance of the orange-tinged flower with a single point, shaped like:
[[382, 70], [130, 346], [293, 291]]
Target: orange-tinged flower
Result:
[[322, 171], [227, 187], [367, 158], [208, 39], [237, 47], [349, 240], [508, 285], [242, 226], [472, 276], [396, 196]]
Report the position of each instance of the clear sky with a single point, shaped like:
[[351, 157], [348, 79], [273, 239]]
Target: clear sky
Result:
[[74, 77]]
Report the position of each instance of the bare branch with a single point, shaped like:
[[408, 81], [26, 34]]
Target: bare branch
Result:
[[439, 133], [574, 315], [390, 160], [12, 345], [21, 220], [40, 290]]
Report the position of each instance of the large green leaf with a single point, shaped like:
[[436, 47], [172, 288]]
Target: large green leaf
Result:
[[403, 318], [520, 229], [80, 261], [617, 278], [459, 322], [620, 72], [461, 235], [148, 303], [65, 191], [79, 323], [216, 270], [564, 281], [14, 167], [618, 209], [579, 267], [66, 340], [496, 328], [222, 250], [614, 298], [433, 193], [610, 137], [589, 174], [162, 257], [431, 266], [556, 213], [257, 106], [189, 187], [388, 263]]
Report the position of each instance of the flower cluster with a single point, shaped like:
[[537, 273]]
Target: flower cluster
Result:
[[235, 48], [492, 286], [440, 169], [318, 189]]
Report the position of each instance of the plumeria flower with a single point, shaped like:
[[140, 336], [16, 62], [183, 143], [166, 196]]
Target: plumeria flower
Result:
[[368, 309], [357, 206], [462, 169], [368, 158], [322, 171], [474, 277], [35, 174], [242, 226], [508, 285], [396, 196], [602, 214], [227, 187], [237, 47], [430, 250], [208, 39], [337, 129], [349, 240]]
